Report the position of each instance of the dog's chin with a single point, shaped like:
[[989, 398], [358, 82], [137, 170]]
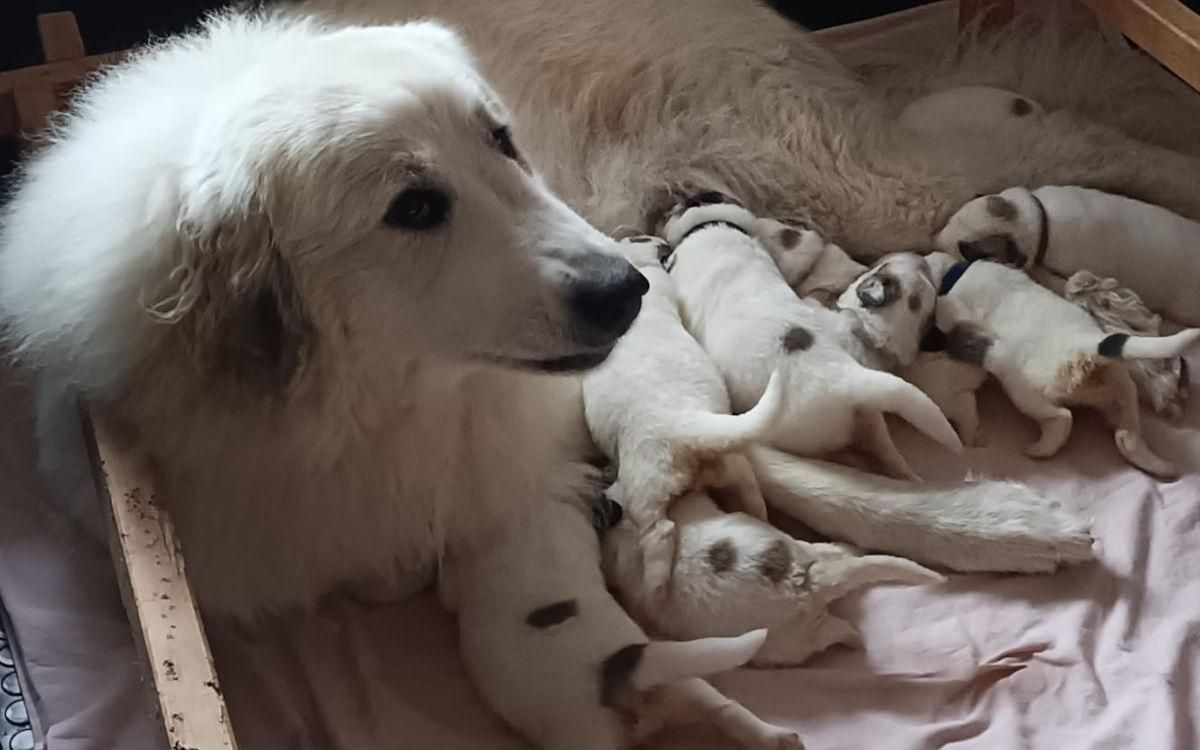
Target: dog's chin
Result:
[[562, 365]]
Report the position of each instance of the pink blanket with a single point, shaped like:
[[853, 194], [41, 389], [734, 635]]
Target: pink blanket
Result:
[[1101, 656]]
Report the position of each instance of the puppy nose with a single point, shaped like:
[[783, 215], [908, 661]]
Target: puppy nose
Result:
[[606, 297]]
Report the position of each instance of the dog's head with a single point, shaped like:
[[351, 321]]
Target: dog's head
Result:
[[1004, 228], [362, 187], [895, 302]]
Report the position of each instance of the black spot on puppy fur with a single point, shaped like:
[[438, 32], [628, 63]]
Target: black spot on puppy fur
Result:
[[722, 556], [642, 238], [775, 561], [615, 673], [708, 198], [968, 343], [789, 238], [553, 614], [1021, 107], [797, 339]]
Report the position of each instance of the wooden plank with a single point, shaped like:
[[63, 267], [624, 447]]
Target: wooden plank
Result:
[[60, 37], [989, 14], [162, 611], [34, 105], [56, 73], [1166, 29]]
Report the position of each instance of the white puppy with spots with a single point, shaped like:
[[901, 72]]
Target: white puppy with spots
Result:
[[658, 409], [554, 654], [735, 572], [1069, 228], [1049, 355], [751, 323], [813, 267], [893, 307]]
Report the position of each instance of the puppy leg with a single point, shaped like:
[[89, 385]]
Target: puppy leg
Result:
[[696, 701], [1053, 421], [736, 488], [1123, 415], [875, 439], [962, 410]]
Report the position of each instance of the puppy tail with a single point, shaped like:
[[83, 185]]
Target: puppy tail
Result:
[[669, 661], [888, 393], [722, 433], [1125, 346], [969, 526]]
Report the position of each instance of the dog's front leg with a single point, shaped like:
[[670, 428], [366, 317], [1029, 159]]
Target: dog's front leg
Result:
[[696, 701]]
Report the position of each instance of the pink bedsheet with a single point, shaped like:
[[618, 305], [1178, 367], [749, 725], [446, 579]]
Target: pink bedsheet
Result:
[[1101, 656]]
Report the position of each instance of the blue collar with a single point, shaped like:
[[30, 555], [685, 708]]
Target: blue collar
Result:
[[953, 275]]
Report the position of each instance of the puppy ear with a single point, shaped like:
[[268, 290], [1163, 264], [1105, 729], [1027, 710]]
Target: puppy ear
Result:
[[234, 301], [1000, 207]]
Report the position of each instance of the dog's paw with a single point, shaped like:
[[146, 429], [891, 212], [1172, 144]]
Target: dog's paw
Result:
[[782, 739]]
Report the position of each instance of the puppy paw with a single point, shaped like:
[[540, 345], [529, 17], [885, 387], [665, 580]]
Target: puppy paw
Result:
[[783, 739]]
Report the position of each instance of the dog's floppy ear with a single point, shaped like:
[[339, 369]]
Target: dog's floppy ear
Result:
[[1001, 207], [880, 290], [234, 301]]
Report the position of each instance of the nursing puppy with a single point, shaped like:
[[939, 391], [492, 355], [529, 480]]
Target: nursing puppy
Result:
[[749, 320], [893, 310], [813, 267], [1050, 354], [968, 110], [734, 572], [552, 652], [658, 409], [1066, 229]]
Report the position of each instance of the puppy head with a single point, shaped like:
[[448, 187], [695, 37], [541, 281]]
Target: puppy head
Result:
[[361, 188], [1004, 228], [895, 302], [644, 251]]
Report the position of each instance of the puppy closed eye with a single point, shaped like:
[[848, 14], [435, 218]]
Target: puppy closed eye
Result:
[[418, 209], [502, 138]]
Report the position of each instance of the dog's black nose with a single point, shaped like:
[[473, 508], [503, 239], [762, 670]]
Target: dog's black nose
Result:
[[606, 298]]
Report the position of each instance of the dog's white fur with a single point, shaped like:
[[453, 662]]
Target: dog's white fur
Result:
[[1148, 248], [1162, 383], [739, 307], [735, 572], [658, 409], [1050, 354]]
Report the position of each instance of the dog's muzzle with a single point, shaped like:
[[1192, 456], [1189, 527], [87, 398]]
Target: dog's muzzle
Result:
[[605, 298]]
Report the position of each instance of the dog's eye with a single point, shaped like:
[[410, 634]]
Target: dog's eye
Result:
[[502, 137], [417, 208]]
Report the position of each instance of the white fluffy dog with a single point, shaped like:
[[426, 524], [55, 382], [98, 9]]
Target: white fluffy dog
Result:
[[748, 319], [1066, 229], [658, 409], [1049, 354]]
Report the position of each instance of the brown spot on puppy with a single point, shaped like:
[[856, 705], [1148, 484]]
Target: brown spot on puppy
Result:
[[797, 339], [553, 614], [642, 238], [968, 343], [1000, 207], [775, 562], [914, 302], [789, 238], [722, 556], [615, 674], [1021, 106]]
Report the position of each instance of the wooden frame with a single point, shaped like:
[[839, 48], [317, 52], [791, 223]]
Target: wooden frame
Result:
[[166, 624], [1166, 29]]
